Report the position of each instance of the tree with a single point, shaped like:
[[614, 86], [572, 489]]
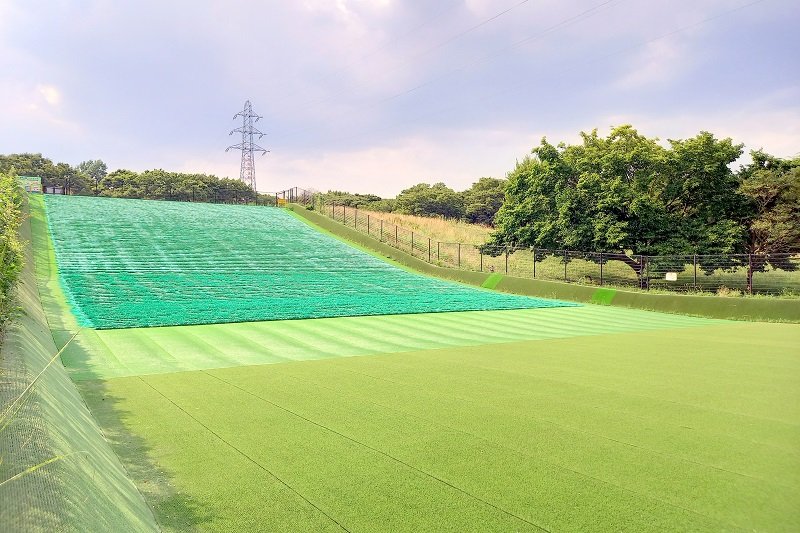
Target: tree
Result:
[[430, 200], [772, 189], [94, 170], [483, 200], [625, 193]]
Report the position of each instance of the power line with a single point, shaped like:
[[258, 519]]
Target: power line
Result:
[[471, 64], [510, 88], [415, 57]]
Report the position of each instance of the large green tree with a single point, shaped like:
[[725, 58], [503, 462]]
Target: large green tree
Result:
[[483, 199], [424, 199], [772, 188], [626, 193]]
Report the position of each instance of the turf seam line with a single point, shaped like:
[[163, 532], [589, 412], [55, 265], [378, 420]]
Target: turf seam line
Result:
[[598, 435], [385, 454], [259, 465], [570, 428], [583, 474]]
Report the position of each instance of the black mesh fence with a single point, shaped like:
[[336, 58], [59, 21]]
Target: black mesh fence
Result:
[[744, 273]]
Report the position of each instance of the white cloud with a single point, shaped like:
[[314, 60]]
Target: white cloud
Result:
[[50, 94]]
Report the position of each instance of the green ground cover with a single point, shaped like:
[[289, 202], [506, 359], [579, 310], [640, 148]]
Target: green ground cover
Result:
[[587, 418], [135, 263], [138, 351], [681, 429]]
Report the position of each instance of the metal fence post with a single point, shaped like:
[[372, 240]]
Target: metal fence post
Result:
[[368, 233], [694, 262], [396, 245], [601, 269], [750, 273], [344, 214], [506, 259], [429, 249], [459, 255], [412, 243], [534, 262], [642, 283], [438, 251], [480, 250], [381, 236], [565, 265]]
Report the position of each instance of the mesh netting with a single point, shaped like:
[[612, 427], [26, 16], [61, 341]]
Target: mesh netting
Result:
[[133, 263], [57, 472]]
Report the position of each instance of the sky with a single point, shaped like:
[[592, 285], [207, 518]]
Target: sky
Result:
[[374, 96]]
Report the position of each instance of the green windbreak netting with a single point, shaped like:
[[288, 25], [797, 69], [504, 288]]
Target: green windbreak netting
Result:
[[133, 263]]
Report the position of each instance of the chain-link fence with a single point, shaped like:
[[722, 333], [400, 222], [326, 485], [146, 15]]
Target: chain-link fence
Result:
[[743, 273], [199, 193]]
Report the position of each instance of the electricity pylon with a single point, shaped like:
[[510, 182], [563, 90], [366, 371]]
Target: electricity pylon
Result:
[[247, 146]]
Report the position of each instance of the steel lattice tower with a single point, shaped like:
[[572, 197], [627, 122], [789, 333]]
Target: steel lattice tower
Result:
[[247, 146]]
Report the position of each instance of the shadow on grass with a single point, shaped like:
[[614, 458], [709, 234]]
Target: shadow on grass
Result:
[[173, 509]]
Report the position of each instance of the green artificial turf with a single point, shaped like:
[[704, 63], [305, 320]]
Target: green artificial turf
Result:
[[138, 263], [681, 429], [138, 351]]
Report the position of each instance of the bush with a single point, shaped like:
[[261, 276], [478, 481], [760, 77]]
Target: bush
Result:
[[10, 246]]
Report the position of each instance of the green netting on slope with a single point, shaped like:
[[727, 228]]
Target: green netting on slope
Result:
[[134, 263]]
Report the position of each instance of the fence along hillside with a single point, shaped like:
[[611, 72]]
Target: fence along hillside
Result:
[[772, 274]]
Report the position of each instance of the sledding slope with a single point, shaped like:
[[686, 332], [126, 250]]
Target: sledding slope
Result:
[[135, 263]]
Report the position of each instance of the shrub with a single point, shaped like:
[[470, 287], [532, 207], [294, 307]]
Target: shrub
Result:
[[10, 246]]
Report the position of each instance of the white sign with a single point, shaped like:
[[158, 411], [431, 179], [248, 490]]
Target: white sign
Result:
[[671, 276]]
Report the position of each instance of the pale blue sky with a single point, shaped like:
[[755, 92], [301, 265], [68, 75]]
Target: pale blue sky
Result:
[[376, 95]]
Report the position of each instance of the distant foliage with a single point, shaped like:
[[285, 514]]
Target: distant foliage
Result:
[[483, 200], [160, 184], [430, 200], [351, 199], [10, 246], [91, 178]]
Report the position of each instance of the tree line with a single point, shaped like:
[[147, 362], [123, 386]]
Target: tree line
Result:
[[477, 205], [623, 193], [92, 178]]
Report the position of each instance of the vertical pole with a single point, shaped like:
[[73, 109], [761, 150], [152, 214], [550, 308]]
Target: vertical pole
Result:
[[480, 250], [381, 236], [642, 283], [368, 233], [355, 218], [601, 269], [412, 243], [344, 214], [534, 262], [438, 251], [459, 255], [395, 237], [506, 259], [694, 261], [565, 265], [429, 249], [750, 273]]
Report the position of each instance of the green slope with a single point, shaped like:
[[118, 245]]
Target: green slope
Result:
[[135, 263]]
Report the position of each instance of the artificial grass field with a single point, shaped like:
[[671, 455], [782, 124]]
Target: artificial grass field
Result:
[[138, 263], [563, 419], [686, 429]]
